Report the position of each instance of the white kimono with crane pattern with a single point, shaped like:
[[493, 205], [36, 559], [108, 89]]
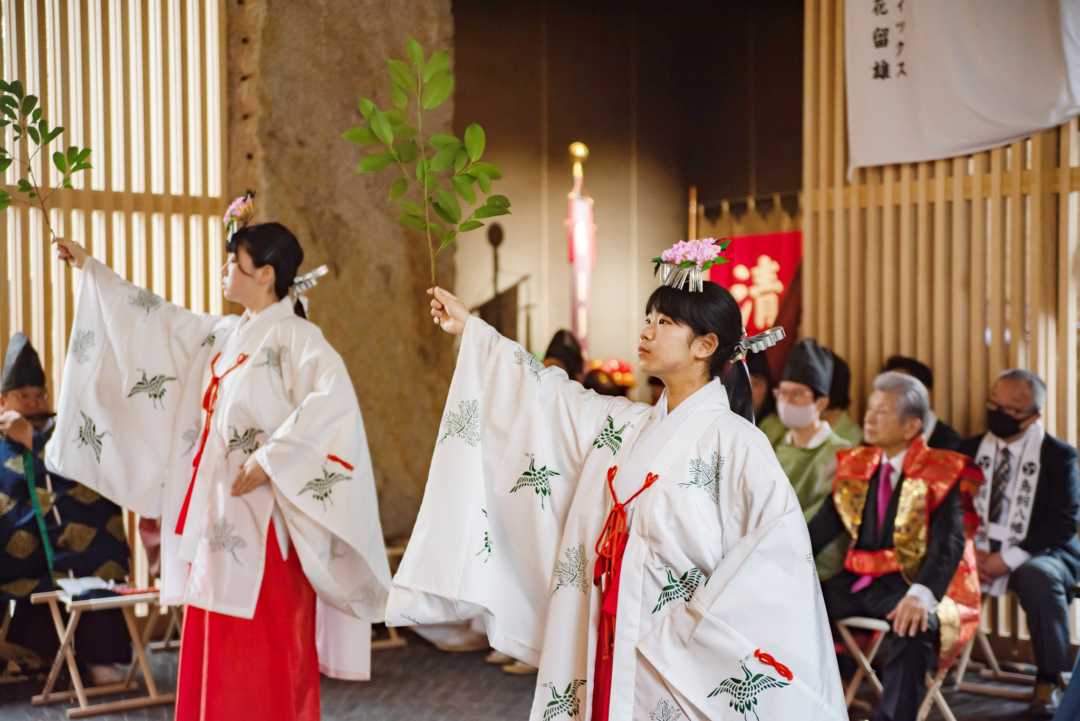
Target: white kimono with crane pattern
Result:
[[130, 420], [717, 573]]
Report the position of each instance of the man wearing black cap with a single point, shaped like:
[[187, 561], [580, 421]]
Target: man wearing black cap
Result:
[[63, 529], [938, 433]]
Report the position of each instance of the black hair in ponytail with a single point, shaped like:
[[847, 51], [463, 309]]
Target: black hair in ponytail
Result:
[[271, 244], [715, 311]]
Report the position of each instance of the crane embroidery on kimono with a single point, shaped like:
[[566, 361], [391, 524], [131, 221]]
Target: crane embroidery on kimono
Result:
[[273, 358], [144, 299], [706, 475], [744, 692], [191, 437], [611, 438], [222, 538], [528, 361], [322, 488], [538, 480], [679, 589], [465, 424], [88, 436], [209, 340], [665, 711], [153, 387], [571, 572], [246, 443], [566, 702], [81, 345]]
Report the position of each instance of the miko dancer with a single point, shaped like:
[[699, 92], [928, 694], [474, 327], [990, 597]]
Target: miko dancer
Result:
[[244, 434], [652, 561]]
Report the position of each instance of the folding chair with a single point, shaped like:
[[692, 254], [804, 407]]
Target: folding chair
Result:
[[66, 654], [4, 626], [171, 640], [881, 630]]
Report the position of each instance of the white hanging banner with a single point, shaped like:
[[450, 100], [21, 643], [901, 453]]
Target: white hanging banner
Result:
[[929, 79]]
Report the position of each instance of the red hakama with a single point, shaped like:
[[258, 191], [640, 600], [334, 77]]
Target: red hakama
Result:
[[266, 668]]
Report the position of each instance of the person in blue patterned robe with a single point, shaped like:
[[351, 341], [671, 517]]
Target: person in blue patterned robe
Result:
[[85, 530]]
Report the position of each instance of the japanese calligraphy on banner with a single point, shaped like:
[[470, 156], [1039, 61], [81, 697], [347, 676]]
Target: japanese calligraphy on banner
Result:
[[759, 274], [928, 79]]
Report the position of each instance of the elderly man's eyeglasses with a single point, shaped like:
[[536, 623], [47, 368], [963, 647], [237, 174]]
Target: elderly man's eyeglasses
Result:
[[789, 395], [1020, 414]]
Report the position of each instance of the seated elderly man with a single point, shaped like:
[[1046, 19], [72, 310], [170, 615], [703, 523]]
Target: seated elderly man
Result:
[[889, 574], [63, 529], [1029, 511]]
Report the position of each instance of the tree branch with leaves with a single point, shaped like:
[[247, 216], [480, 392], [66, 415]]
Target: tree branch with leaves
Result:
[[435, 173], [33, 136]]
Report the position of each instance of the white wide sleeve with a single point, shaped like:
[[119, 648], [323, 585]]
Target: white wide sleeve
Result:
[[130, 358], [506, 466], [320, 465], [762, 598]]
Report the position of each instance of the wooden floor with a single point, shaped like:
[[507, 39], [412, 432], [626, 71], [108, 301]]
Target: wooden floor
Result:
[[420, 683]]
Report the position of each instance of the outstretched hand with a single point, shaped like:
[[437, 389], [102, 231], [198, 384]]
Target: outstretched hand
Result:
[[450, 313], [70, 252], [251, 476]]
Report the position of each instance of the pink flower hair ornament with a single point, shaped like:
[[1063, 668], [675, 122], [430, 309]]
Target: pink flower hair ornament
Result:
[[239, 213], [684, 262]]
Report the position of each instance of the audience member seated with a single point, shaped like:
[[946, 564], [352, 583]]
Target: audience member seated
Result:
[[839, 401], [564, 351], [66, 528], [1029, 508], [903, 556], [938, 433], [762, 387]]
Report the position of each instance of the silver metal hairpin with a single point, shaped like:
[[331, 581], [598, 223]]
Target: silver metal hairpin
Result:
[[308, 280], [762, 341]]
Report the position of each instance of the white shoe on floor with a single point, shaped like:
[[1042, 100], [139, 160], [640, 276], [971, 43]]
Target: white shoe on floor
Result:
[[519, 668], [499, 658], [105, 674]]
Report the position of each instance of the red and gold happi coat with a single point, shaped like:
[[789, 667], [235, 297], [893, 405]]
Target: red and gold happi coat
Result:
[[929, 475]]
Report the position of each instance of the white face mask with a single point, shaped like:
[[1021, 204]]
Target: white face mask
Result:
[[796, 417]]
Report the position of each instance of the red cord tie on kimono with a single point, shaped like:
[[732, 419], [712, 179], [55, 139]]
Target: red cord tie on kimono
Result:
[[606, 573], [335, 459], [770, 661], [209, 403]]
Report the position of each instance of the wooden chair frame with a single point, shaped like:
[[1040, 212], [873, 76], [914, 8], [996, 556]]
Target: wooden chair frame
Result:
[[66, 654], [881, 630]]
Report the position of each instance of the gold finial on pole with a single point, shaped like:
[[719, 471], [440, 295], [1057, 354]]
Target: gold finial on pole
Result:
[[580, 154]]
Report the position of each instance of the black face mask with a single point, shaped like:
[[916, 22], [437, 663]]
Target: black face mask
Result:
[[1001, 424]]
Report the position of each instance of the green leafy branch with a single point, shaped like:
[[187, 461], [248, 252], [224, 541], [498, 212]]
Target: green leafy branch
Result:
[[429, 182], [22, 113]]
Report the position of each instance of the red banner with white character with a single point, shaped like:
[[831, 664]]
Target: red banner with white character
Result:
[[759, 274]]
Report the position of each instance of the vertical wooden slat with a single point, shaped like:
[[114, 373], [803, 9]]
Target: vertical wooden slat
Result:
[[977, 278], [1017, 269], [905, 267], [998, 267], [826, 86], [890, 322], [1067, 288], [924, 282], [959, 302], [810, 163], [854, 353], [938, 280], [874, 287], [837, 336], [1042, 212]]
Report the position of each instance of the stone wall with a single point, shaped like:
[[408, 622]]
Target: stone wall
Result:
[[295, 71]]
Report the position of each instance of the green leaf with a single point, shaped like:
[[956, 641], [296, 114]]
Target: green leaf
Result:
[[499, 201], [4, 86], [410, 207], [483, 182], [54, 133], [444, 158], [469, 225], [395, 116], [36, 115], [5, 163], [416, 54], [28, 104], [59, 161], [381, 127], [402, 76], [490, 211], [84, 154], [17, 88], [412, 221], [5, 200], [398, 188], [33, 133], [464, 189], [437, 230], [82, 166], [366, 108], [404, 132], [460, 159], [407, 152], [72, 155], [373, 163], [448, 239], [361, 135], [398, 96], [442, 213], [437, 90], [24, 185], [436, 64], [9, 101], [474, 141], [441, 141], [492, 172], [450, 204]]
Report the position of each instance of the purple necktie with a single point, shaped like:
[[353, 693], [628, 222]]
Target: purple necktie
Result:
[[884, 495]]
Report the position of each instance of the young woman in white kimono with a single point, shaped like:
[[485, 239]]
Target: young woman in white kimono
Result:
[[244, 434], [652, 561]]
